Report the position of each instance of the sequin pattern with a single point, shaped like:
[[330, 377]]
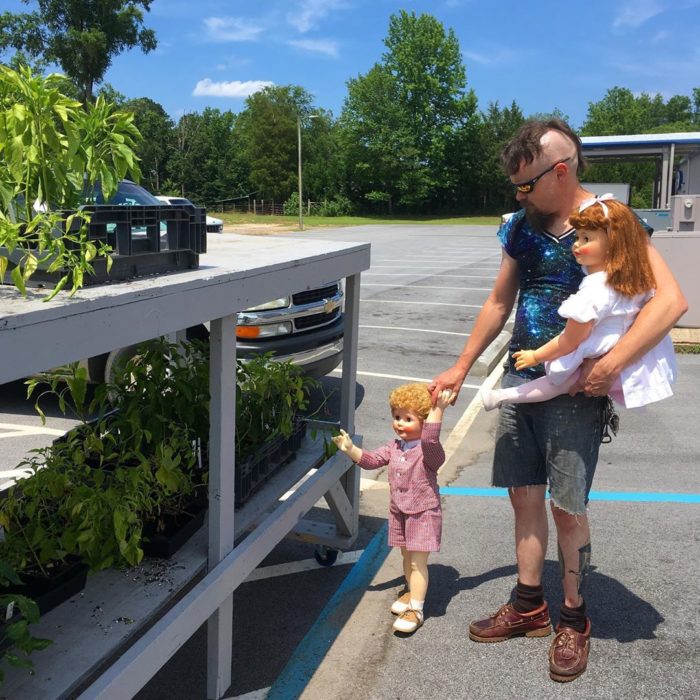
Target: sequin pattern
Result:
[[548, 275]]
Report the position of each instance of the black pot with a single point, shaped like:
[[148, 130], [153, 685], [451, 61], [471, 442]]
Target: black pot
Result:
[[163, 538], [64, 580]]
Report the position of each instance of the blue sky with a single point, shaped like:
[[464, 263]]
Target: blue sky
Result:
[[542, 54]]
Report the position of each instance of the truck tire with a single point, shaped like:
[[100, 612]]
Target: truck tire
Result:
[[115, 359]]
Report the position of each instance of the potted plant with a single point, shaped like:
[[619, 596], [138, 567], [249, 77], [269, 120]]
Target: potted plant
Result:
[[38, 538], [270, 397], [17, 612], [53, 151]]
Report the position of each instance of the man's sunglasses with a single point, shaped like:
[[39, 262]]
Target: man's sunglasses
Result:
[[527, 187]]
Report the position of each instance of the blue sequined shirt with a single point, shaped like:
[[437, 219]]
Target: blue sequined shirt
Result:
[[549, 274]]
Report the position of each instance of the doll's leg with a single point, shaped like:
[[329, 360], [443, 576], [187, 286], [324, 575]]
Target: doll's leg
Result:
[[411, 619], [540, 389], [402, 603], [418, 583]]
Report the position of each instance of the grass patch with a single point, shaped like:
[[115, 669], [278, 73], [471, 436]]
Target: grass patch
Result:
[[687, 348], [292, 222]]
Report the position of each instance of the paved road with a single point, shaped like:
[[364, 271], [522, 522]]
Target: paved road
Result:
[[325, 633]]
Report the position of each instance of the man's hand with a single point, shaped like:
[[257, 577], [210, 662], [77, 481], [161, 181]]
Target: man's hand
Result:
[[449, 379], [524, 359], [595, 378]]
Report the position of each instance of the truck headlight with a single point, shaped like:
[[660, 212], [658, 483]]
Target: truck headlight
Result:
[[279, 303], [267, 330]]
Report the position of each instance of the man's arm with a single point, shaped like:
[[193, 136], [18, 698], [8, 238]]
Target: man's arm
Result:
[[656, 318], [488, 325]]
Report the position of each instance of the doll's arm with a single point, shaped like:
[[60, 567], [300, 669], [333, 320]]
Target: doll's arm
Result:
[[567, 341], [345, 444]]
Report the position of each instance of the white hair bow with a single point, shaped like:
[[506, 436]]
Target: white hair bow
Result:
[[597, 200]]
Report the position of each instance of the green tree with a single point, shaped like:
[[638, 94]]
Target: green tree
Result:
[[154, 151], [269, 138], [405, 115], [206, 163], [82, 36]]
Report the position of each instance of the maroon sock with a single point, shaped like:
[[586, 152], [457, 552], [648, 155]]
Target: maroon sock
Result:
[[573, 617], [527, 598]]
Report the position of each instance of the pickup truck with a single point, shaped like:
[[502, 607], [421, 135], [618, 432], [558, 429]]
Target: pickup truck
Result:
[[306, 328]]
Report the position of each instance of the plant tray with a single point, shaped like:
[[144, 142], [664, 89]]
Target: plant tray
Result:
[[253, 471], [177, 530], [50, 591], [145, 240]]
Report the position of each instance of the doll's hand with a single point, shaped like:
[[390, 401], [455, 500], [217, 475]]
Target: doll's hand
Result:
[[524, 359], [445, 398], [343, 441]]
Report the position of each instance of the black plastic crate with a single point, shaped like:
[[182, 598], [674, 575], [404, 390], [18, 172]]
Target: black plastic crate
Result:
[[145, 240]]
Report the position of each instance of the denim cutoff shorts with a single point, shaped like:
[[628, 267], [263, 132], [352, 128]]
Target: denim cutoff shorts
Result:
[[553, 442]]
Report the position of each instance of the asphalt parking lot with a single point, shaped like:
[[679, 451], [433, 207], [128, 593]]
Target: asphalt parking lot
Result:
[[304, 630]]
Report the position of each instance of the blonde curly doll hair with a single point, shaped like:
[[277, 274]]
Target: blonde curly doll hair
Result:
[[412, 397]]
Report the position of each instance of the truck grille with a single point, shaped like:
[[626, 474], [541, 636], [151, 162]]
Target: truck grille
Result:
[[305, 322], [312, 295]]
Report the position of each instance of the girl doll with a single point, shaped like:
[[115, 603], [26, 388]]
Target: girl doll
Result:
[[611, 245], [415, 513]]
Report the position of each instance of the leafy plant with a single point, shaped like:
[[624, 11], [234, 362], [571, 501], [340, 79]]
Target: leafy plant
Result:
[[17, 612], [269, 396], [52, 151]]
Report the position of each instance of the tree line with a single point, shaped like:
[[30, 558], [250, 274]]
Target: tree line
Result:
[[410, 137]]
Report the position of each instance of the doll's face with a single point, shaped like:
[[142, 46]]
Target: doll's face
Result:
[[407, 424], [591, 249]]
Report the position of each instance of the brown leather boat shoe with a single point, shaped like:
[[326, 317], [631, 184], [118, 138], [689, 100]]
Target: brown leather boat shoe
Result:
[[568, 655], [507, 622]]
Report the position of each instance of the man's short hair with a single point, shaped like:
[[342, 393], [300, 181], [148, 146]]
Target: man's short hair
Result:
[[526, 144]]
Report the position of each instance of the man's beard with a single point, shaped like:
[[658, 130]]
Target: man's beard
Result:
[[537, 219]]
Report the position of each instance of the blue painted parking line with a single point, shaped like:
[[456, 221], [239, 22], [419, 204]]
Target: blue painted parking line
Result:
[[319, 639], [627, 496]]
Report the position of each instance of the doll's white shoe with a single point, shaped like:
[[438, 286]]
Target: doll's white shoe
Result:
[[402, 603], [489, 399], [408, 621]]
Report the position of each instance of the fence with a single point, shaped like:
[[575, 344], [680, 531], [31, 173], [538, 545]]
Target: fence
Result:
[[257, 206]]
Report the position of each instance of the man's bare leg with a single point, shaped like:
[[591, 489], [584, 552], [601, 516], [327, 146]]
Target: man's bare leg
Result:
[[531, 532], [574, 538]]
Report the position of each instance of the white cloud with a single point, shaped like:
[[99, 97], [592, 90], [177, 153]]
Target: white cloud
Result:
[[494, 57], [223, 29], [233, 88], [633, 14], [324, 46], [309, 13], [660, 36]]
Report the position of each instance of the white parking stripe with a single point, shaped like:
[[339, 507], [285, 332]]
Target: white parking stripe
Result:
[[414, 330], [298, 567], [16, 430], [428, 303], [338, 370], [411, 274], [426, 286]]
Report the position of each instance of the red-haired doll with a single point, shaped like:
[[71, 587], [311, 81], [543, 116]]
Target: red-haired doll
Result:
[[611, 245]]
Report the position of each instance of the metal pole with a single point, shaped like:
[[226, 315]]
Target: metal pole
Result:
[[301, 213]]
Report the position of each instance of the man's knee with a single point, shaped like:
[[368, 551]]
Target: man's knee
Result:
[[567, 522], [527, 498]]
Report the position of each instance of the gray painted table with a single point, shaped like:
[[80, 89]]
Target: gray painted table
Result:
[[131, 616]]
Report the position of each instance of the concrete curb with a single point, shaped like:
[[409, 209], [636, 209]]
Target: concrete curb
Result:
[[492, 355]]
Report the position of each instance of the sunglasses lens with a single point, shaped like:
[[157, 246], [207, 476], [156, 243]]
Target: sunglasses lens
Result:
[[525, 189]]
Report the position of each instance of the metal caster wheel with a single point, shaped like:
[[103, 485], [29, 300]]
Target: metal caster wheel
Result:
[[325, 556]]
